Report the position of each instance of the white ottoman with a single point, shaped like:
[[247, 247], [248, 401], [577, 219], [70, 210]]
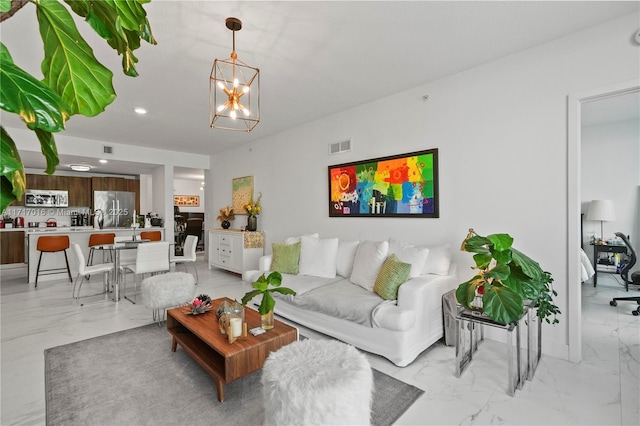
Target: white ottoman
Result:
[[169, 290], [317, 382]]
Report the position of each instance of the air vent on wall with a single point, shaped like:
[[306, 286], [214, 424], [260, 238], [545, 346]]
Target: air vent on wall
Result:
[[340, 147], [107, 149]]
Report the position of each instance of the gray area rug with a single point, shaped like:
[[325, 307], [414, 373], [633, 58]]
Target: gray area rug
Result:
[[132, 378]]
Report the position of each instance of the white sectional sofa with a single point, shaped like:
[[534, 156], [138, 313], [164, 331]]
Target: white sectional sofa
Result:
[[338, 285]]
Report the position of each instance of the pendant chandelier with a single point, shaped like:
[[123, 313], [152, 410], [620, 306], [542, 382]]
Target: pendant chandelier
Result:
[[234, 90]]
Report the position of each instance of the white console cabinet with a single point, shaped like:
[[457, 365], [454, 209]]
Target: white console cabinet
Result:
[[235, 250]]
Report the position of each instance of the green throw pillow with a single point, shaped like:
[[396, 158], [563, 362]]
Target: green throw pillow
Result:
[[391, 276], [285, 258]]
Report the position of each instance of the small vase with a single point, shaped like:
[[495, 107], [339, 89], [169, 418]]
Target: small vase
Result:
[[252, 223], [225, 224], [267, 321]]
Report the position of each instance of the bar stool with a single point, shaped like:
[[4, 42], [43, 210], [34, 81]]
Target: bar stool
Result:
[[53, 244], [98, 240], [151, 235]]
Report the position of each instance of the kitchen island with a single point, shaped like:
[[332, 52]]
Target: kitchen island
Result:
[[77, 234]]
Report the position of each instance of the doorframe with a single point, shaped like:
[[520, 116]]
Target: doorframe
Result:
[[574, 137]]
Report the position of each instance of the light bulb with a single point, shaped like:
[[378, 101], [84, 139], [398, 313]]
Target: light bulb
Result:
[[246, 89], [220, 108], [232, 114], [246, 112], [221, 85], [235, 82]]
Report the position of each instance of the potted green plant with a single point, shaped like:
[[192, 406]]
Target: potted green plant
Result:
[[274, 279], [506, 279]]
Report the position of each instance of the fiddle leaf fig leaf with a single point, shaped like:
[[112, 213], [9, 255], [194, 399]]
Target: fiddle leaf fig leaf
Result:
[[502, 304], [69, 66], [49, 150], [121, 23], [5, 5], [500, 272], [482, 260], [13, 181], [20, 93], [500, 241], [477, 244], [529, 267], [503, 256]]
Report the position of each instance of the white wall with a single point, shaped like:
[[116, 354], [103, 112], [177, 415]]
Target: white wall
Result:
[[610, 171], [501, 130]]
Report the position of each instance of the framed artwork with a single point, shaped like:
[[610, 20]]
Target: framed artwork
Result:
[[403, 185], [186, 200], [241, 193]]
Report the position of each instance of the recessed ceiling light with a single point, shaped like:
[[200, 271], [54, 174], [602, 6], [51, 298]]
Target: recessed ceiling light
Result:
[[140, 110], [103, 161], [80, 167]]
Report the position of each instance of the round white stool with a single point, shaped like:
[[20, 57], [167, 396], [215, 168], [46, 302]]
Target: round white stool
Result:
[[317, 382], [169, 290]]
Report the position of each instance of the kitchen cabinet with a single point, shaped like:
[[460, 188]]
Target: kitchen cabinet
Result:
[[11, 247], [79, 188], [235, 250]]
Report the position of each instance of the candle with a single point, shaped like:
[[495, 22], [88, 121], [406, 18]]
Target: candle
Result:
[[236, 327]]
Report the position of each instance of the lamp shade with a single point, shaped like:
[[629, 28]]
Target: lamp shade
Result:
[[602, 210]]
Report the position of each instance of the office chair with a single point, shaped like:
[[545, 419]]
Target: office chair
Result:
[[624, 273]]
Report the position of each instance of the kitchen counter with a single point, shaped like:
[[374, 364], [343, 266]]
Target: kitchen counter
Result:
[[77, 234]]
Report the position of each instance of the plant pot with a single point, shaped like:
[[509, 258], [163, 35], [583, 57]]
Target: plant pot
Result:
[[225, 224], [267, 321], [252, 223]]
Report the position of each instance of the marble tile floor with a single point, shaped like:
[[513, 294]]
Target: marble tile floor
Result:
[[604, 389]]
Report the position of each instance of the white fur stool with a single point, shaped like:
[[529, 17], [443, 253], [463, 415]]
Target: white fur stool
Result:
[[317, 382], [169, 290]]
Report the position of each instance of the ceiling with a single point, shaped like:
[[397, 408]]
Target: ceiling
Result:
[[316, 59]]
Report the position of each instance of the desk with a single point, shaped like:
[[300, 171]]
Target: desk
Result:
[[117, 248], [604, 248]]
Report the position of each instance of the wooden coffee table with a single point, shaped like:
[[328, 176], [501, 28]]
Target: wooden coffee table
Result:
[[199, 335]]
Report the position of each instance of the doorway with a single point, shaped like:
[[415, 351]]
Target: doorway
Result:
[[576, 102]]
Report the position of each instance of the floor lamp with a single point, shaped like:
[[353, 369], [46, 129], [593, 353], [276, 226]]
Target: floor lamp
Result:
[[603, 211]]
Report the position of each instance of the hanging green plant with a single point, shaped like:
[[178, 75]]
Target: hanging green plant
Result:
[[506, 279], [74, 81]]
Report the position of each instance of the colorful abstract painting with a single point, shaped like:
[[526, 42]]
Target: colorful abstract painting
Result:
[[399, 186], [241, 193]]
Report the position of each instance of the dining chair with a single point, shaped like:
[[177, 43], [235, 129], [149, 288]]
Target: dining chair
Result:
[[189, 256], [151, 258], [151, 235], [99, 239], [84, 270], [127, 257]]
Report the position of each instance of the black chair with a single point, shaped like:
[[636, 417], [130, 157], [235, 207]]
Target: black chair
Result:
[[624, 273], [194, 227]]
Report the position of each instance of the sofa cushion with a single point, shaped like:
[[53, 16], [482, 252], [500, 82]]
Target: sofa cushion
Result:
[[318, 257], [340, 299], [392, 275], [415, 256], [369, 259], [438, 261], [293, 240], [285, 258], [346, 256]]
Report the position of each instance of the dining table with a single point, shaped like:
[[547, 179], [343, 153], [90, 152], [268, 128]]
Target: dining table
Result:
[[117, 248]]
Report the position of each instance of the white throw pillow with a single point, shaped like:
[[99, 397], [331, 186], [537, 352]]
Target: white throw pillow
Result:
[[438, 261], [346, 256], [293, 240], [416, 256], [318, 257], [369, 259]]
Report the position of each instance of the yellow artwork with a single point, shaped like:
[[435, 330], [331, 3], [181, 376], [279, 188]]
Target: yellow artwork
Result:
[[241, 193]]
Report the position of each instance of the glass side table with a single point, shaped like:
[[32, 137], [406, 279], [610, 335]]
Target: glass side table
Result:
[[470, 332]]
